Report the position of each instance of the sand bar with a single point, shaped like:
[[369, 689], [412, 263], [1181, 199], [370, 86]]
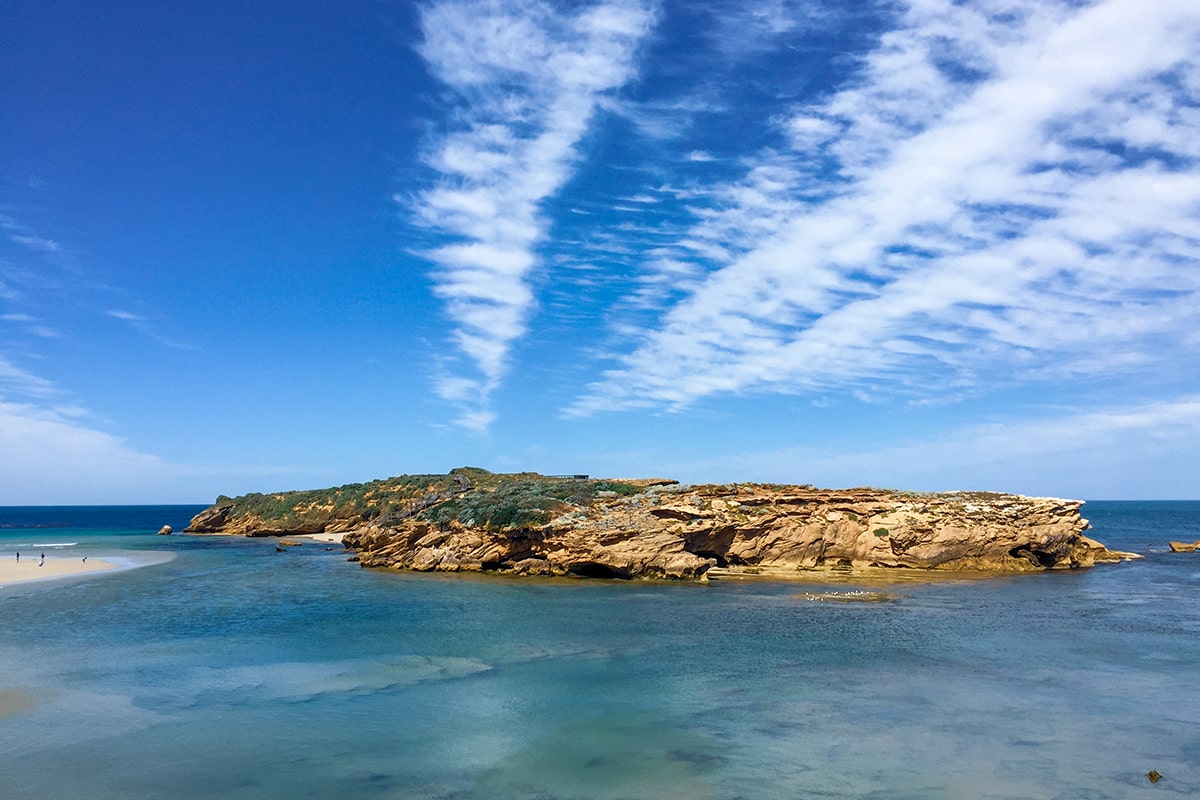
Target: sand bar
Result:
[[60, 566], [16, 701]]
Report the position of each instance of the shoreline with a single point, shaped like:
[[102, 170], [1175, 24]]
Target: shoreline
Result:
[[324, 538], [26, 571]]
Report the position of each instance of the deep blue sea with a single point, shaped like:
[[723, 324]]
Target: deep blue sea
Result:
[[234, 671]]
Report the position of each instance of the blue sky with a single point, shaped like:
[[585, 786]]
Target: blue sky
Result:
[[930, 245]]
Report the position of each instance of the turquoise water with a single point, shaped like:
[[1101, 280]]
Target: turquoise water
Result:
[[234, 671]]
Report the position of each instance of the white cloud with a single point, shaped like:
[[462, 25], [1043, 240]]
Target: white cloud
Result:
[[1099, 453], [49, 456], [529, 77], [1010, 206], [127, 316], [15, 379], [52, 456], [747, 28], [36, 243], [53, 453], [810, 132]]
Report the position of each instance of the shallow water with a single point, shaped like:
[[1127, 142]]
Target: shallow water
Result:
[[234, 671]]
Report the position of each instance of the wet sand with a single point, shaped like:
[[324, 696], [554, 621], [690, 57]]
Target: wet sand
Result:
[[27, 569], [16, 701], [61, 566]]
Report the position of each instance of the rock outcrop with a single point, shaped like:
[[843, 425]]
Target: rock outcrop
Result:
[[530, 524], [1184, 547]]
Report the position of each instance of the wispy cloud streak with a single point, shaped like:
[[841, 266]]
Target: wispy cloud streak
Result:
[[1023, 454], [1015, 194], [528, 77], [15, 380]]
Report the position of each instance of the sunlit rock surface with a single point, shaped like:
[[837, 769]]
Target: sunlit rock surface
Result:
[[527, 524]]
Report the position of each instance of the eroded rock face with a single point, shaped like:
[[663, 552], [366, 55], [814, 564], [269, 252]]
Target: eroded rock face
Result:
[[222, 518], [213, 519], [550, 550], [662, 530], [683, 534]]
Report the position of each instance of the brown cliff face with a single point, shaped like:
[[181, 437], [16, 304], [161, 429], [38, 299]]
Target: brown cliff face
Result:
[[213, 519], [658, 529], [683, 532]]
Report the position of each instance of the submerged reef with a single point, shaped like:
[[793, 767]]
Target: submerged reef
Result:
[[472, 520]]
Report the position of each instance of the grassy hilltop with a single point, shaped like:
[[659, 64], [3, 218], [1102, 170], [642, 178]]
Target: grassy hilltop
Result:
[[471, 496]]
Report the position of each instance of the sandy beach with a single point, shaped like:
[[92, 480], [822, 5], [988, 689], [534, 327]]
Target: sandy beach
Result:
[[16, 701], [27, 570], [327, 538]]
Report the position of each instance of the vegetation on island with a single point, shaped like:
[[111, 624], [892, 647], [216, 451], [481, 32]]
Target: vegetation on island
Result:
[[469, 495]]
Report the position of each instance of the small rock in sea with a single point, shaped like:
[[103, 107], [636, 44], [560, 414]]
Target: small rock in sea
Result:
[[1184, 547], [849, 597], [165, 530], [1154, 776]]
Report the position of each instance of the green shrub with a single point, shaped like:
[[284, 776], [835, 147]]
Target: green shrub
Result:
[[493, 500]]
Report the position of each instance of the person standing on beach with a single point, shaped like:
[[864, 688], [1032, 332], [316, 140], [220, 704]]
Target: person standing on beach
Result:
[[18, 556]]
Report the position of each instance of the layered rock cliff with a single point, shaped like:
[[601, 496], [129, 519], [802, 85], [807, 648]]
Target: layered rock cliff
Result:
[[529, 524]]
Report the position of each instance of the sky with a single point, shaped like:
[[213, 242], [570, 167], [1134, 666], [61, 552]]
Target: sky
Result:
[[927, 245]]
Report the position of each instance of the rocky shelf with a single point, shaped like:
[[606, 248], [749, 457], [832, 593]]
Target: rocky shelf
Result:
[[472, 520]]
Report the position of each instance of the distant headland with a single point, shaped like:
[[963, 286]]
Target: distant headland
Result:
[[472, 520]]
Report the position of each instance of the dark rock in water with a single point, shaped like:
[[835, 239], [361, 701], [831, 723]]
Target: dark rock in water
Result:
[[1154, 776], [859, 596], [165, 530]]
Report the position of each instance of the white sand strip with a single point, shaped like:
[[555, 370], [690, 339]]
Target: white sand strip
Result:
[[328, 538], [32, 567]]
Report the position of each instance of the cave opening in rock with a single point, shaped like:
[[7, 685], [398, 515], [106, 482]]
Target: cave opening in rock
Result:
[[718, 557], [590, 569], [1039, 557]]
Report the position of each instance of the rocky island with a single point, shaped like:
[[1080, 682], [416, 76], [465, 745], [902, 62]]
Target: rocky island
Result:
[[529, 524]]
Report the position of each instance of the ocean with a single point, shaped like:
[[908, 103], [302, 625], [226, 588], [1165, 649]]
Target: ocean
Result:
[[225, 669]]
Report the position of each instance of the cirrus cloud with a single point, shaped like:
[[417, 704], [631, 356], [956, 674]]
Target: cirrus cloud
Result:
[[1006, 192], [528, 77]]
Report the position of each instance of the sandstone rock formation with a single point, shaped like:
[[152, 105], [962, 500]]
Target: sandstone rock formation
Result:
[[165, 530], [530, 524], [1184, 547]]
